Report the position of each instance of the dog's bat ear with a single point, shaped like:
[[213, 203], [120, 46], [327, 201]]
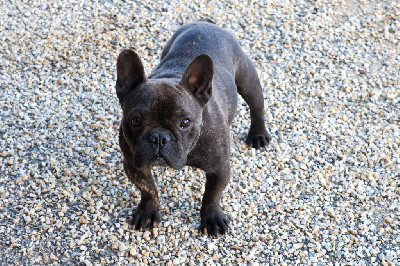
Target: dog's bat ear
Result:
[[130, 73], [198, 77]]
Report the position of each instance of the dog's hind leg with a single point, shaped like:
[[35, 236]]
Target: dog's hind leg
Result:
[[249, 87]]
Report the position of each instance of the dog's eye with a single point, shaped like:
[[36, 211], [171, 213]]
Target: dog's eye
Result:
[[185, 123], [136, 121]]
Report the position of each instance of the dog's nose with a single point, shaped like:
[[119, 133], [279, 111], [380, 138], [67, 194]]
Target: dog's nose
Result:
[[159, 138]]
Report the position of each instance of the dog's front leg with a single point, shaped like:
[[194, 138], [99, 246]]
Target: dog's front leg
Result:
[[147, 212], [213, 219]]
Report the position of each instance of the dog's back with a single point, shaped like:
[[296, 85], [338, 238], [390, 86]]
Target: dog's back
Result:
[[200, 37]]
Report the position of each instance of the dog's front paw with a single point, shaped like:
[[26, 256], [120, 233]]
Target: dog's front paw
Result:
[[258, 141], [213, 220], [145, 217], [258, 135]]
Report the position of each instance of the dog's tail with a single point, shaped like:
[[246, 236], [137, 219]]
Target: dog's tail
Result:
[[207, 20]]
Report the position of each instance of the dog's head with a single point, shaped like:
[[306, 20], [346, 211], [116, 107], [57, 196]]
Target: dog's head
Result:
[[162, 119]]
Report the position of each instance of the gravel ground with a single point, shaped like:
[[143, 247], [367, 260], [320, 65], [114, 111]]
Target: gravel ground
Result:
[[325, 191]]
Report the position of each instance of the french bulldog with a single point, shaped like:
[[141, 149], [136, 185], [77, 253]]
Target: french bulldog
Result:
[[180, 115]]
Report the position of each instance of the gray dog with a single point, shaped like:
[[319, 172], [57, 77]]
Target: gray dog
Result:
[[180, 115]]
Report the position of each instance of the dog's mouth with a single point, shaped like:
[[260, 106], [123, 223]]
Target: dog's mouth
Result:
[[148, 156], [158, 160]]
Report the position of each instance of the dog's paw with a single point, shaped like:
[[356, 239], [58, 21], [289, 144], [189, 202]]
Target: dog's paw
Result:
[[142, 219], [258, 141], [213, 221]]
